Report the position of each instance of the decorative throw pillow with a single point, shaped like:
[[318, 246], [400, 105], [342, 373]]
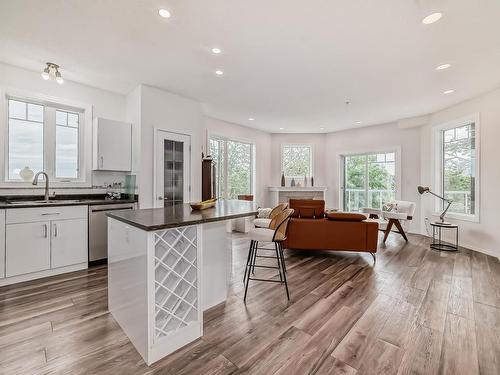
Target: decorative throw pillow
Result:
[[388, 207], [263, 213], [345, 216]]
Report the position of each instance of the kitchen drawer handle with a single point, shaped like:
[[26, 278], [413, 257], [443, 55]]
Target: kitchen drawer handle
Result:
[[51, 213], [113, 209]]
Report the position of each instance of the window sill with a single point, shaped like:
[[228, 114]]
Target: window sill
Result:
[[461, 217]]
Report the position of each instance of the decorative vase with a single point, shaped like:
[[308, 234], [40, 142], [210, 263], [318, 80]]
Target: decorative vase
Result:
[[293, 182], [312, 181], [305, 181], [26, 174], [282, 178]]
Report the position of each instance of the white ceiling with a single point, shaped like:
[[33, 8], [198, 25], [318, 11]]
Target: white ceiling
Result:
[[288, 63]]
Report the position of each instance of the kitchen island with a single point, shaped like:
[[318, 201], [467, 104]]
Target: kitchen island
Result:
[[165, 267]]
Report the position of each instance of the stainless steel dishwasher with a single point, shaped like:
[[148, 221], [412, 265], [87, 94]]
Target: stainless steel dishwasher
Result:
[[98, 228]]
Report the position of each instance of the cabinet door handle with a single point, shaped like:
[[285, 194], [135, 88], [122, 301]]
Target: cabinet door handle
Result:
[[102, 161], [55, 230], [45, 230]]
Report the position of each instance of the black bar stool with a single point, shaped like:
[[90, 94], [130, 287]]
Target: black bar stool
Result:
[[276, 234]]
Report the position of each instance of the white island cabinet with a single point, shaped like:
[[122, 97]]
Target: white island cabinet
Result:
[[165, 267], [2, 244], [43, 241]]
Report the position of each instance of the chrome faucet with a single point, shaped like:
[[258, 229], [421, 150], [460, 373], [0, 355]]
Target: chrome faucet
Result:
[[35, 182]]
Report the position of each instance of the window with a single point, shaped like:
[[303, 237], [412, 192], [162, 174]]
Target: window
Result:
[[457, 166], [234, 166], [46, 137], [296, 160], [369, 180]]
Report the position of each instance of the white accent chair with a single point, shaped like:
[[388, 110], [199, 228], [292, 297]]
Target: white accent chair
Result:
[[400, 216]]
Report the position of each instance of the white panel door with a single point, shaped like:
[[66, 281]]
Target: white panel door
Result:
[[27, 248], [69, 242], [172, 172]]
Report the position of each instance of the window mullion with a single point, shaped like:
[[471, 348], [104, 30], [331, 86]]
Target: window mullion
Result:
[[50, 141]]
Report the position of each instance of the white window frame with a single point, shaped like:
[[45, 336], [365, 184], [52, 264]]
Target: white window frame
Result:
[[213, 135], [437, 135], [384, 150], [311, 161], [84, 139]]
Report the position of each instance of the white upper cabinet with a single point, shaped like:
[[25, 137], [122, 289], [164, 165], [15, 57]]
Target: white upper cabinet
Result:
[[112, 145]]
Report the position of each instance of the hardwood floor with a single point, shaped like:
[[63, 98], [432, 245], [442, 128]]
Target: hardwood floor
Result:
[[416, 311]]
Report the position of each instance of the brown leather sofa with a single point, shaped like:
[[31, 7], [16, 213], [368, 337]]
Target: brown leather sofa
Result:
[[310, 228]]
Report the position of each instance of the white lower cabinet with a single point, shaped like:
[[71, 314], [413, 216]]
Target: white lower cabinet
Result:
[[69, 242], [27, 248], [41, 242]]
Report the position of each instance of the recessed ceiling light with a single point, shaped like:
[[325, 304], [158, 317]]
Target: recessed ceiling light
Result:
[[164, 13], [448, 92], [443, 67], [216, 50], [282, 128], [359, 122], [219, 72], [322, 128], [251, 119], [431, 18]]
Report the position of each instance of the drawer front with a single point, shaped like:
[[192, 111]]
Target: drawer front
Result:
[[29, 215]]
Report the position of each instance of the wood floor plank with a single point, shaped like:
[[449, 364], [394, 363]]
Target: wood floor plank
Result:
[[364, 333], [459, 353], [322, 344], [423, 354], [381, 358]]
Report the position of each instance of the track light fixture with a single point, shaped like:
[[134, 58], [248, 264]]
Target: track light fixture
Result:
[[46, 72]]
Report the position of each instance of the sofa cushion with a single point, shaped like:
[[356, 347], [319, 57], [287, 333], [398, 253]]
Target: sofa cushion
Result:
[[308, 208], [345, 216]]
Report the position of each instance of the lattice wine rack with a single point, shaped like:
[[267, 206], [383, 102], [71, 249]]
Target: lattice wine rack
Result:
[[176, 281]]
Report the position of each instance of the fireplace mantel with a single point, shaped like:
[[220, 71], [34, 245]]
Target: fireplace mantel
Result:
[[281, 194]]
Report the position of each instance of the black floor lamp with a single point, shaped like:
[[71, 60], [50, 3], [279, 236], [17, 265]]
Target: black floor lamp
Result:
[[423, 190]]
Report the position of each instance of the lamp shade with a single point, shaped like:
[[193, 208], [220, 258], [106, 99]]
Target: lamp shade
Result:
[[422, 189]]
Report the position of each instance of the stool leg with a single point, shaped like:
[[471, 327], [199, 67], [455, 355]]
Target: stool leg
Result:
[[284, 272], [250, 255], [249, 268], [278, 259], [282, 256], [256, 245]]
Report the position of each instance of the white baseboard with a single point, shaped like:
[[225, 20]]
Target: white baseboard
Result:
[[466, 245], [40, 274]]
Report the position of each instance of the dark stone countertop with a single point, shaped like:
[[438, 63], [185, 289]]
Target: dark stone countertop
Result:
[[61, 200], [182, 215]]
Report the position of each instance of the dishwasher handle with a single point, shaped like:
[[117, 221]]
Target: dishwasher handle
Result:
[[110, 209]]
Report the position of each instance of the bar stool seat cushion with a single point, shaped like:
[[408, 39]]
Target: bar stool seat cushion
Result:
[[262, 223], [261, 234]]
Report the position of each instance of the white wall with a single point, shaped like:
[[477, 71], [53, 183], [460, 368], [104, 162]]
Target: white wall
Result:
[[262, 142], [318, 143], [163, 110], [376, 138], [104, 104], [485, 235]]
